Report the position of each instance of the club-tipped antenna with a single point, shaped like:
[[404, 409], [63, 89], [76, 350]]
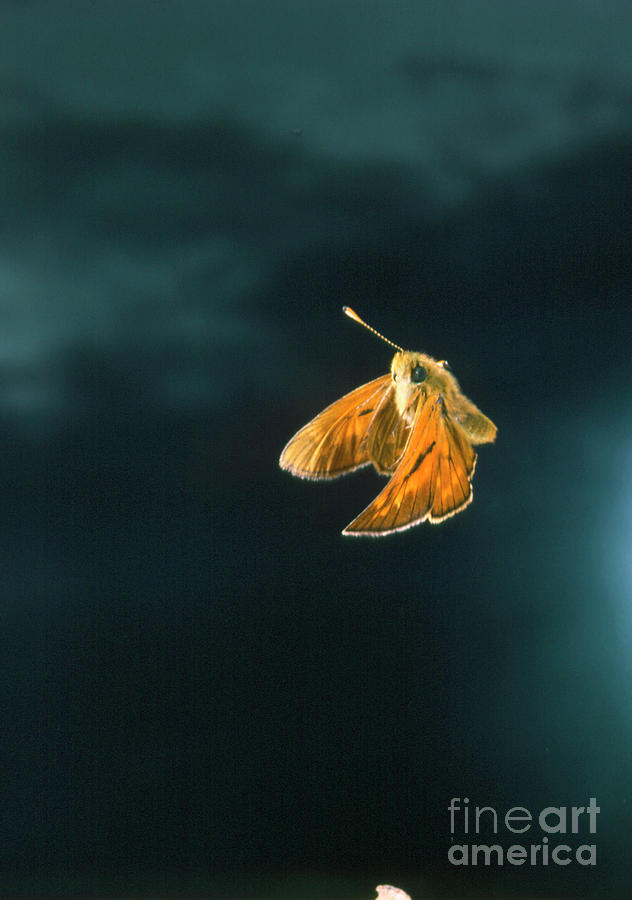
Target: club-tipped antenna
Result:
[[356, 318]]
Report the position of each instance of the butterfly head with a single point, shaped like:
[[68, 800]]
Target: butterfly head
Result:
[[413, 372]]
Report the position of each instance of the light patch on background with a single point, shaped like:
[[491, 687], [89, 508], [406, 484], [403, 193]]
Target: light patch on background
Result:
[[422, 86], [426, 84], [171, 313]]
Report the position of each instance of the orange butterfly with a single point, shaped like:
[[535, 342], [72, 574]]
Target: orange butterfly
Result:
[[413, 425]]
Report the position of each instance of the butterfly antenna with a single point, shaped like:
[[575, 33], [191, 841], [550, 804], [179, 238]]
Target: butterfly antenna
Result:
[[356, 318]]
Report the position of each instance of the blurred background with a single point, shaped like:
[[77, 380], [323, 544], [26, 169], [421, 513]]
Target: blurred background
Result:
[[207, 691]]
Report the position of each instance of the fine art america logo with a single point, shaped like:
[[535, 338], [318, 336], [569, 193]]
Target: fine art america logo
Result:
[[553, 840]]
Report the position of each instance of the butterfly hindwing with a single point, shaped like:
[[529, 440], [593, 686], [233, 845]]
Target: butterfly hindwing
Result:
[[432, 480], [387, 435], [333, 443]]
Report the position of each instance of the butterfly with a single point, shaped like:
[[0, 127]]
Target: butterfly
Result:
[[414, 425]]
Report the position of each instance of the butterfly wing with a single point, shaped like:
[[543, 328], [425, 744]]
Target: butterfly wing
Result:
[[387, 435], [334, 443], [433, 479], [476, 425]]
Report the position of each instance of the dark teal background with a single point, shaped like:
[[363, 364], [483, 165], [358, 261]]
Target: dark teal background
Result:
[[206, 690]]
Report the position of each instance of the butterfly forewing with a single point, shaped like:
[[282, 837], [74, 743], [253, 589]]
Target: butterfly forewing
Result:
[[455, 468], [334, 442], [432, 480]]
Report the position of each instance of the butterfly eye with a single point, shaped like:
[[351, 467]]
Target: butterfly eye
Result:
[[394, 376], [418, 375]]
